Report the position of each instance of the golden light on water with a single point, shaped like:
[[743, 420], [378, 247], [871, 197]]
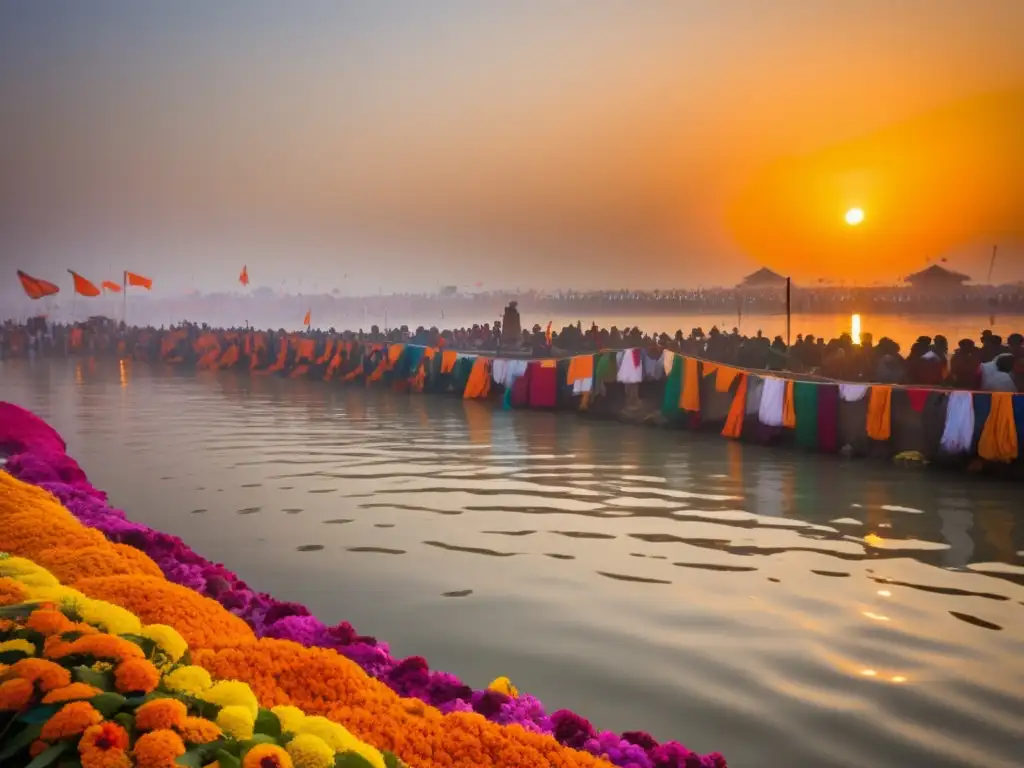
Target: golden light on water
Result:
[[854, 216], [855, 328]]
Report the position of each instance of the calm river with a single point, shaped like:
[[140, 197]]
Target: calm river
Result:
[[787, 610]]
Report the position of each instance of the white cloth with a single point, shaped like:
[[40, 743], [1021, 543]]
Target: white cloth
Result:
[[505, 372], [773, 398], [958, 434], [994, 380], [668, 358], [654, 369], [755, 387], [631, 369], [852, 393], [581, 386]]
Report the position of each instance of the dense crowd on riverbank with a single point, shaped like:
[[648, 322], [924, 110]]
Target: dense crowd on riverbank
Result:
[[991, 365]]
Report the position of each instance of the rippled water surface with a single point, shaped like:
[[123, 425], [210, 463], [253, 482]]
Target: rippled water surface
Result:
[[787, 610]]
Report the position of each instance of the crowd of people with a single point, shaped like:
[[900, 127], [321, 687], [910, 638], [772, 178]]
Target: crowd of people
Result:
[[994, 364]]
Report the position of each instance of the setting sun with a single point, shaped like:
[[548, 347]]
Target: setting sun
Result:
[[854, 216]]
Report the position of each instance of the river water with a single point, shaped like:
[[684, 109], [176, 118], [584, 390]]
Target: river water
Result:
[[788, 610]]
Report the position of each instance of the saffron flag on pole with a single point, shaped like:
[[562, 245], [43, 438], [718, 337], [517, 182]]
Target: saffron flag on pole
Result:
[[82, 286], [244, 277], [109, 286], [36, 288], [547, 334], [307, 318], [138, 280]]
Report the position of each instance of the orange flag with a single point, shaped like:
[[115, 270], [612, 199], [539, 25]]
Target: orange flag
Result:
[[36, 288], [547, 334], [244, 277], [138, 280], [82, 286], [112, 287], [306, 319]]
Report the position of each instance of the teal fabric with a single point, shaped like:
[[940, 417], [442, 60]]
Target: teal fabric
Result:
[[805, 403]]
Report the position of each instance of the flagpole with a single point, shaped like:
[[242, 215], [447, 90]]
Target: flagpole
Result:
[[124, 290], [72, 296]]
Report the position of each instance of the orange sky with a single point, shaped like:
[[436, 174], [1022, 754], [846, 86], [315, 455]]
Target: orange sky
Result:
[[519, 144]]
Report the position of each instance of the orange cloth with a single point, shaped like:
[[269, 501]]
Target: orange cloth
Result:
[[76, 338], [880, 413], [230, 357], [448, 360], [307, 349], [299, 370], [734, 423], [999, 436], [35, 288], [209, 359], [548, 363], [282, 357], [327, 353], [82, 286], [689, 398], [479, 383], [138, 280], [726, 376], [580, 368], [789, 407], [353, 374], [112, 287]]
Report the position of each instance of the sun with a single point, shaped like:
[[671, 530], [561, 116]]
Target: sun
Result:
[[854, 216]]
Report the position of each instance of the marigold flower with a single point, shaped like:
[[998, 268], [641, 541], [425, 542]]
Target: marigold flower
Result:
[[158, 749], [49, 621], [11, 592], [188, 679], [503, 685], [70, 720], [15, 694], [43, 673], [337, 736], [69, 564], [236, 721], [232, 693], [104, 737], [18, 645], [372, 755], [290, 717], [110, 617], [73, 692], [160, 714], [267, 756], [136, 676], [37, 748], [309, 751], [27, 573], [167, 639], [199, 730], [143, 563], [100, 646]]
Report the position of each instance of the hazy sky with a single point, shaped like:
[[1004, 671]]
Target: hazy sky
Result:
[[519, 143]]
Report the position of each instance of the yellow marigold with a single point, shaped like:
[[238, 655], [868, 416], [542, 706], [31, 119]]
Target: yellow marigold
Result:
[[160, 714], [232, 693], [43, 673], [103, 746], [73, 692], [503, 685], [337, 736], [27, 573], [291, 717], [371, 754], [112, 618], [158, 749], [49, 621], [11, 592], [37, 748], [188, 679], [136, 676], [236, 721], [101, 646], [267, 756], [309, 751], [18, 645], [15, 694], [69, 721], [166, 638], [199, 730]]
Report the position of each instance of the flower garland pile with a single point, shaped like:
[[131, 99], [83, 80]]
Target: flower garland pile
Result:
[[74, 695], [36, 455]]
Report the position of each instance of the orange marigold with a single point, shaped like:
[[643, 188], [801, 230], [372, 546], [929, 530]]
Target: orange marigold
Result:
[[70, 720], [143, 563], [15, 694], [37, 748], [267, 756], [158, 749], [47, 621], [103, 746], [11, 592], [160, 714], [136, 676], [45, 674], [69, 564], [202, 622], [73, 692], [198, 730], [101, 646]]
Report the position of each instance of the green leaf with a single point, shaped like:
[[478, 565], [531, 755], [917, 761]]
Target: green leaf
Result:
[[39, 714], [127, 721], [10, 657], [268, 723], [351, 760], [50, 756], [26, 736], [186, 660], [227, 760], [259, 738], [69, 762], [102, 680], [190, 759], [146, 644], [108, 703], [391, 760]]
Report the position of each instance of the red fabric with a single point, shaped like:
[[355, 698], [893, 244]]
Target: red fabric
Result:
[[828, 418], [918, 398], [543, 385], [520, 397], [636, 358]]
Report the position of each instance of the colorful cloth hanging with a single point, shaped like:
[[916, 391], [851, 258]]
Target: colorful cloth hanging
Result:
[[999, 437], [788, 407], [828, 418], [879, 422], [673, 388], [958, 433], [805, 405], [773, 396], [737, 412], [690, 398]]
